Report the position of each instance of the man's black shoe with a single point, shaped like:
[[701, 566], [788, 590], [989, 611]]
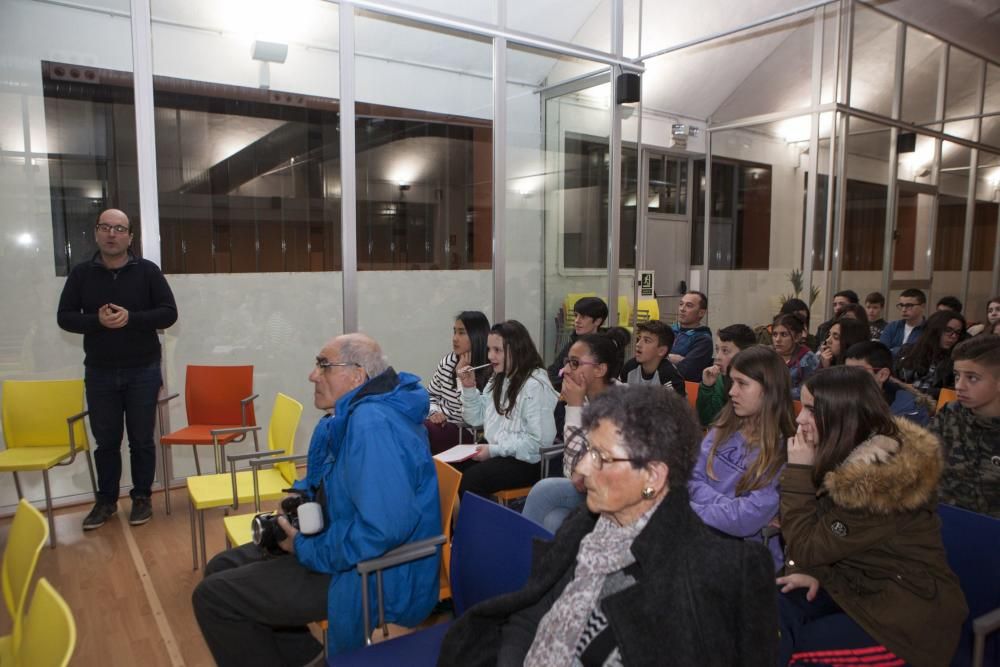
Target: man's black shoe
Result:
[[102, 511], [142, 511]]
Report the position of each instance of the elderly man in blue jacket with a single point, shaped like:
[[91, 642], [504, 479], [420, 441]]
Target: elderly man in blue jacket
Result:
[[370, 469]]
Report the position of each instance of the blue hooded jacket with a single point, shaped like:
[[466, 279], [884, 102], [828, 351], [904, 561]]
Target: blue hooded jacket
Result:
[[379, 491]]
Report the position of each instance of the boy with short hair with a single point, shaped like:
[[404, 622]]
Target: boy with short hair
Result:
[[876, 358], [874, 305], [969, 428], [715, 383], [650, 364]]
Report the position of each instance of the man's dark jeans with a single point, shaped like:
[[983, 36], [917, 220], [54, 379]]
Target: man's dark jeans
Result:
[[111, 394]]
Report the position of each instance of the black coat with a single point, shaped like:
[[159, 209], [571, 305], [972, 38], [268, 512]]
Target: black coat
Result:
[[699, 598]]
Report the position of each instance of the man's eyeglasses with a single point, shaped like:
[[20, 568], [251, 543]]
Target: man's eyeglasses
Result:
[[323, 364], [105, 228], [575, 363], [906, 306]]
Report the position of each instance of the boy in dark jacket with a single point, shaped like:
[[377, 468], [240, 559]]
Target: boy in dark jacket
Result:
[[969, 428], [715, 384], [650, 365]]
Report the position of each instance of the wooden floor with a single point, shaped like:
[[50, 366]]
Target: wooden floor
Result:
[[132, 602]]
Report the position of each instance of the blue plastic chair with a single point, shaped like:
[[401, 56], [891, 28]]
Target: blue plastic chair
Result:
[[970, 541], [490, 556]]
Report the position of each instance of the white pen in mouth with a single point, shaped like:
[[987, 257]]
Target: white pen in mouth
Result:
[[474, 368]]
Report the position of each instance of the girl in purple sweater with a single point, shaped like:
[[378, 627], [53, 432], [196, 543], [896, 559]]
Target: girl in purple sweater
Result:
[[734, 485]]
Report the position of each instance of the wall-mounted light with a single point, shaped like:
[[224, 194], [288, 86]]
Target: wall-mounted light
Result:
[[267, 53]]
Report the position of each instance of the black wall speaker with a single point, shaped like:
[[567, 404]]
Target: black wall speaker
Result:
[[906, 142], [628, 88]]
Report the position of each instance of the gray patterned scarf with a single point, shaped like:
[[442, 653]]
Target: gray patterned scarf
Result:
[[605, 550]]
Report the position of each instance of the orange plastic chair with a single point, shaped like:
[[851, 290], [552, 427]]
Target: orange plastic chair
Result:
[[217, 398], [691, 390], [945, 397], [449, 480]]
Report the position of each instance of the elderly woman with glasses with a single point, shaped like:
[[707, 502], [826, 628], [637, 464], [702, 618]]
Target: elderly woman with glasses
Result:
[[636, 578]]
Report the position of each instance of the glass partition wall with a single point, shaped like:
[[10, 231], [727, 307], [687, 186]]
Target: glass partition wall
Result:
[[903, 127], [487, 164], [470, 147]]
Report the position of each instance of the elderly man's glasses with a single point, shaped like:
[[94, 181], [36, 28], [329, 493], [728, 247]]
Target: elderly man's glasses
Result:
[[322, 364], [575, 363], [105, 228]]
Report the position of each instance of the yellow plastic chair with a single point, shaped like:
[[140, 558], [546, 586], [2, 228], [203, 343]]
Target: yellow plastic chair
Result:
[[28, 533], [229, 489], [43, 428], [648, 310], [49, 630], [624, 312]]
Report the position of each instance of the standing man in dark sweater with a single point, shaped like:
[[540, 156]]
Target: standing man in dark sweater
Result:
[[693, 346], [118, 301]]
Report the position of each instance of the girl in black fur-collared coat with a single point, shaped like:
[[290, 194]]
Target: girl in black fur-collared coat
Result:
[[862, 534]]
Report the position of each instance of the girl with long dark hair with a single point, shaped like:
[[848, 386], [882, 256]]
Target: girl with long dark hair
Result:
[[865, 569], [926, 365], [515, 409], [844, 332], [734, 485], [468, 348], [592, 365]]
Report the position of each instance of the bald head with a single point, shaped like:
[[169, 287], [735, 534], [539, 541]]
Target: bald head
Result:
[[114, 216]]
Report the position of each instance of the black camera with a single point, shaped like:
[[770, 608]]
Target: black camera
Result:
[[266, 531]]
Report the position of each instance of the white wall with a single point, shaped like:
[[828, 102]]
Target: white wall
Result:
[[278, 322]]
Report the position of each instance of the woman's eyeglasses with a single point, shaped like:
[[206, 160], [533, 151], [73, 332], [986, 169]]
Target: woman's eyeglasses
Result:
[[948, 331], [575, 363]]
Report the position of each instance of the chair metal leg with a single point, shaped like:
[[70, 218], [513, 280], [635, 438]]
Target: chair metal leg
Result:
[[364, 608], [17, 483], [90, 468], [166, 477], [201, 530], [197, 463], [194, 539], [48, 509]]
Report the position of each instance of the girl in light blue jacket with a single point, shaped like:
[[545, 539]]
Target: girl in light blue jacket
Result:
[[515, 409]]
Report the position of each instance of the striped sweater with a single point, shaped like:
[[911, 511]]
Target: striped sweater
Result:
[[445, 390]]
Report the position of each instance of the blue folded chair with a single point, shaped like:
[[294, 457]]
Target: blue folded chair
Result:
[[971, 542], [490, 556]]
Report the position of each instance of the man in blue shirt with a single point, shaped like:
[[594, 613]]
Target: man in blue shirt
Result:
[[370, 469], [908, 329], [693, 347]]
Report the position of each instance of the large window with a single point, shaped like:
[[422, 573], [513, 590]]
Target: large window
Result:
[[951, 235], [587, 175], [740, 215], [249, 178], [668, 185]]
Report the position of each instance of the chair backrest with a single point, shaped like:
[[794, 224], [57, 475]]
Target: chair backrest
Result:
[[449, 480], [35, 413], [691, 391], [212, 395], [491, 553], [624, 311], [49, 630], [945, 397], [970, 542], [28, 533], [647, 310], [281, 430]]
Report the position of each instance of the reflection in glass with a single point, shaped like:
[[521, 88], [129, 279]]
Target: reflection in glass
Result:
[[873, 69]]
